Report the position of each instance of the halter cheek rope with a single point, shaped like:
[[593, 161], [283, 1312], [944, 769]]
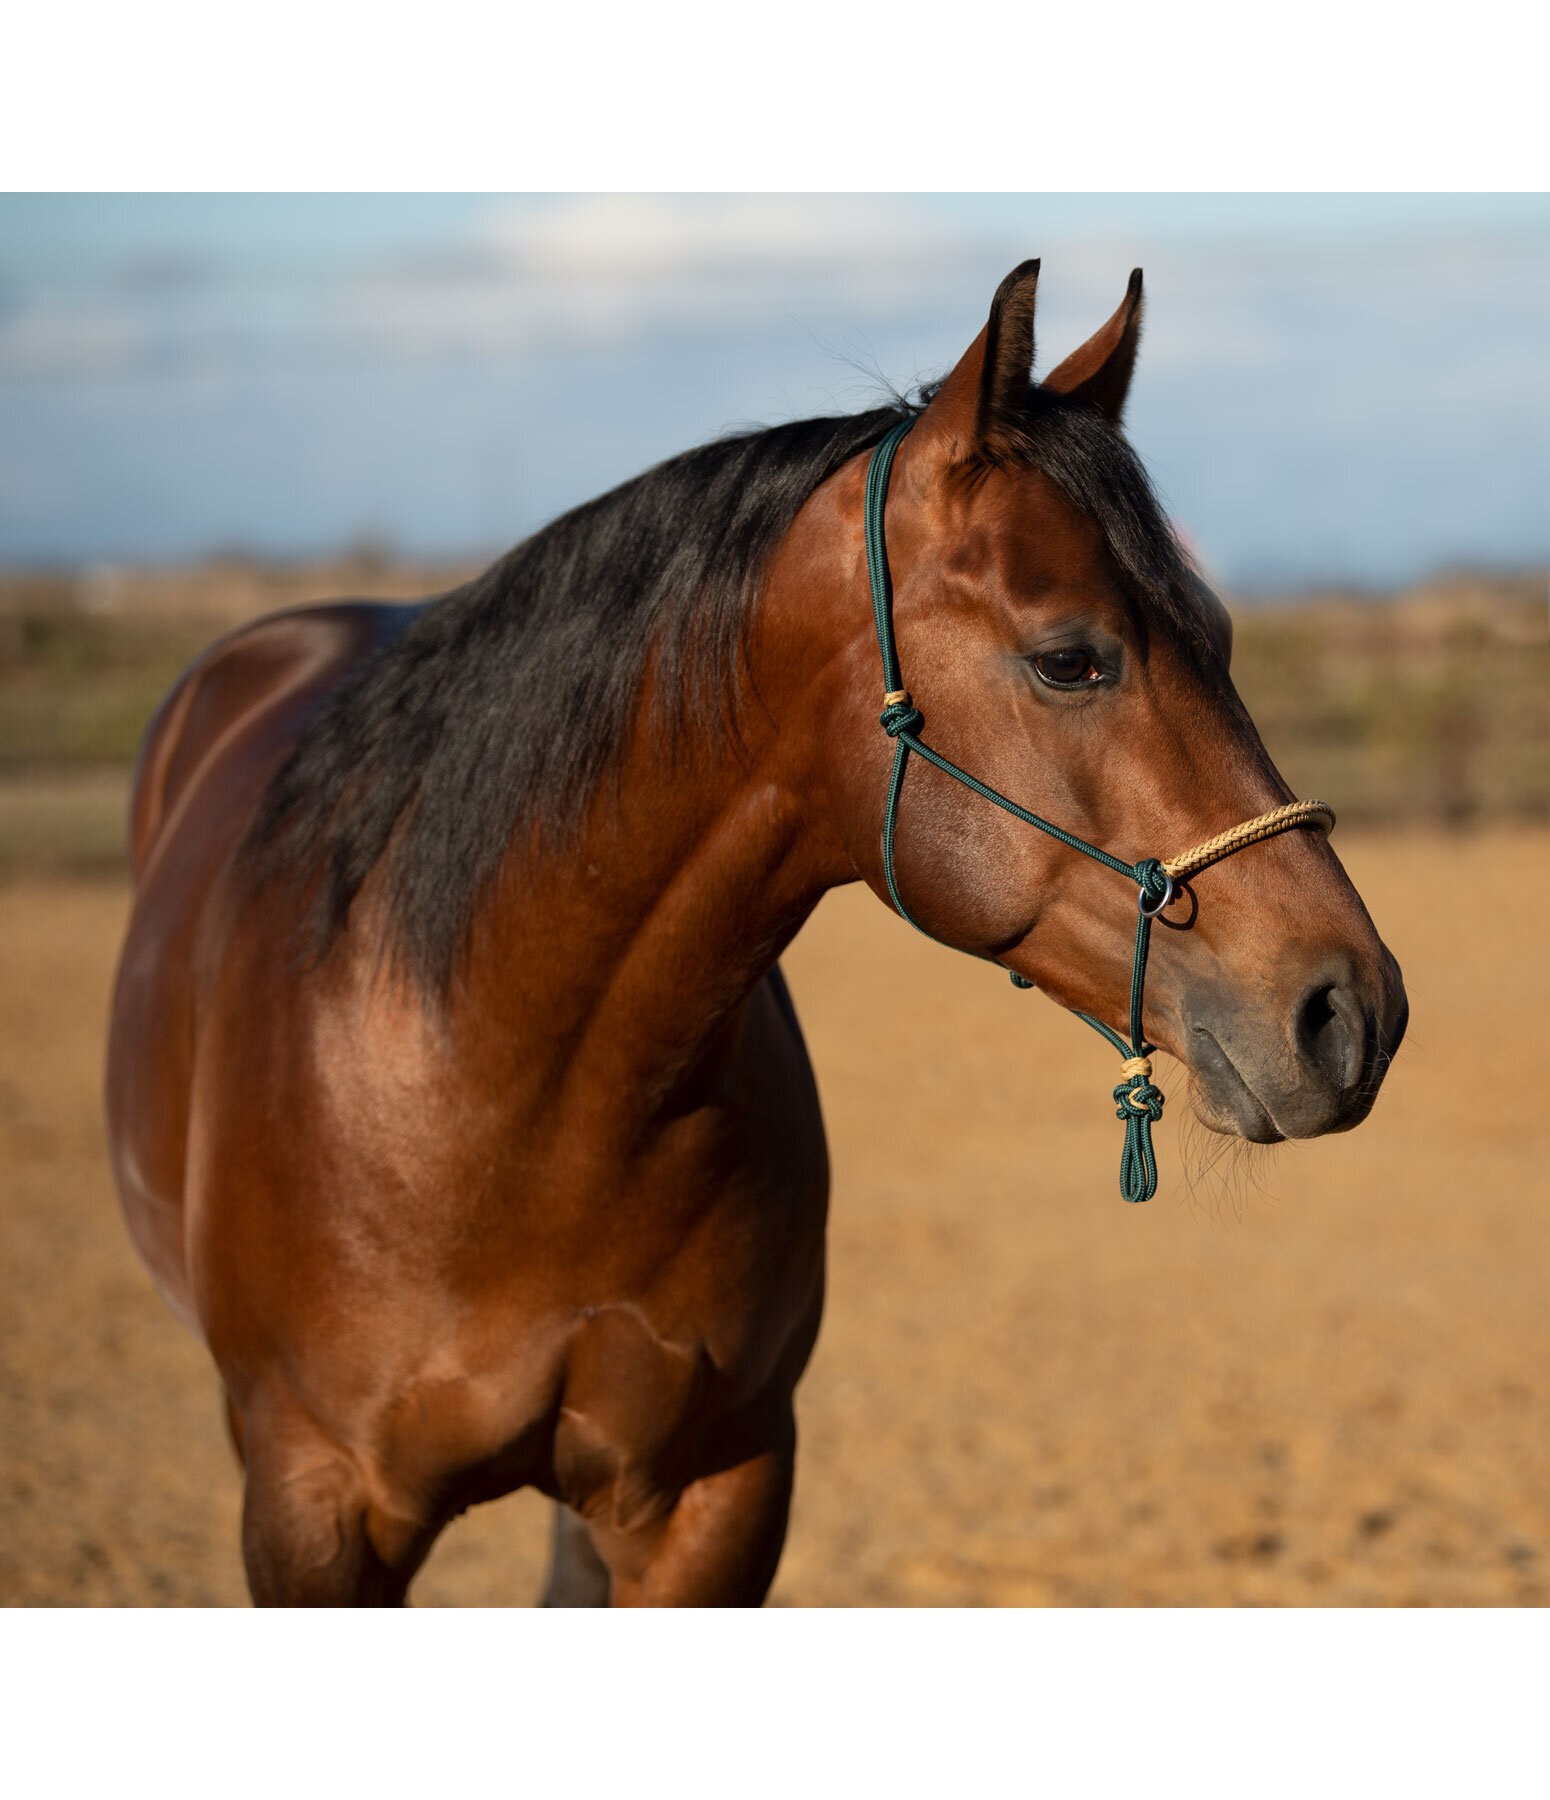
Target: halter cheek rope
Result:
[[1137, 1103]]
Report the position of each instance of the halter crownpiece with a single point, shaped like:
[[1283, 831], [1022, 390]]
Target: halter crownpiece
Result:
[[1137, 1103]]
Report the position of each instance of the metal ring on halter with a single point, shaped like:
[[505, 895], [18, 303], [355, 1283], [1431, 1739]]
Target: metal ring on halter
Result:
[[1151, 912]]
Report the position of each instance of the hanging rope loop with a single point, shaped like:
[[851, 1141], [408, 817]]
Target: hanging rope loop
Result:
[[1139, 1105]]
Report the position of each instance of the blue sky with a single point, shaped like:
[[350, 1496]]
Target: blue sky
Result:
[[1332, 387]]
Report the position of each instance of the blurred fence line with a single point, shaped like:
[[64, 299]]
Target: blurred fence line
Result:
[[1431, 706], [1425, 707]]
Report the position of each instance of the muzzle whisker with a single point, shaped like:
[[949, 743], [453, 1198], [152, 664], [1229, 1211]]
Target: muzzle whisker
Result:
[[1223, 1172]]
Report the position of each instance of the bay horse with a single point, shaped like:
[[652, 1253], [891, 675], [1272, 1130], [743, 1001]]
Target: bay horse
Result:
[[454, 1094]]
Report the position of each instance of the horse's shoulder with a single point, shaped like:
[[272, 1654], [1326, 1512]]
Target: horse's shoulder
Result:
[[295, 655]]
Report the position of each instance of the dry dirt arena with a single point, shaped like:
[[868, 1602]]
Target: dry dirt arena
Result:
[[1325, 1385]]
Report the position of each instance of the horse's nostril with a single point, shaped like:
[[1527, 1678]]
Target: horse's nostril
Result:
[[1330, 1034]]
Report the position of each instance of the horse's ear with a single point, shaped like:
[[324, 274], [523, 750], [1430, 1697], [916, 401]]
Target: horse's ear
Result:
[[1099, 373], [991, 377]]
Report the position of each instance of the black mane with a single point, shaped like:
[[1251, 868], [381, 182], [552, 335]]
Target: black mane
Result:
[[507, 702]]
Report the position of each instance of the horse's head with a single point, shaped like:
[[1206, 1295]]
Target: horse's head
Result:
[[1059, 647]]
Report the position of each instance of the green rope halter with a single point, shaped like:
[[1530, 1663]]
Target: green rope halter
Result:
[[1137, 1103]]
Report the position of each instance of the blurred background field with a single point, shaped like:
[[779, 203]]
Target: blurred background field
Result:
[[1313, 1377]]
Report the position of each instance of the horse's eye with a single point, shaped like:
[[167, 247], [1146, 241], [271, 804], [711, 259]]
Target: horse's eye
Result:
[[1066, 668]]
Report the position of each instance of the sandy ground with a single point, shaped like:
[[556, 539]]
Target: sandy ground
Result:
[[1323, 1384]]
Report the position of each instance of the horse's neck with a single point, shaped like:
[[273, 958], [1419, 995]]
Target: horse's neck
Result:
[[635, 953]]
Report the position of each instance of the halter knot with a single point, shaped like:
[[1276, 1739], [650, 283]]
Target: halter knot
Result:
[[1152, 879], [900, 715]]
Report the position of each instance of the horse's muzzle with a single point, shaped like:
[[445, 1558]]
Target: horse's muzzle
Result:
[[1301, 1070]]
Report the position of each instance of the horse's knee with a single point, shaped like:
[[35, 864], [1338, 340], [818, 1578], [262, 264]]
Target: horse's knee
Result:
[[722, 1541], [311, 1535]]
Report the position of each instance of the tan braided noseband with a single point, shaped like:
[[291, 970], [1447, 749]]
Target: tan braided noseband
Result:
[[1267, 825]]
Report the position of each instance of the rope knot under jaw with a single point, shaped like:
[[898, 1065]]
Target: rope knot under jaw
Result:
[[899, 714], [1137, 1097]]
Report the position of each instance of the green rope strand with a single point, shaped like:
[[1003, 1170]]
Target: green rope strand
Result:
[[1138, 1103]]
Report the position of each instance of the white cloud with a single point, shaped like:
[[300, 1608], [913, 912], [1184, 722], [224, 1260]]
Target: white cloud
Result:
[[632, 237]]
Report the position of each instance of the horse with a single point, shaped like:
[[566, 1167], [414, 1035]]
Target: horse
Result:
[[455, 1097]]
